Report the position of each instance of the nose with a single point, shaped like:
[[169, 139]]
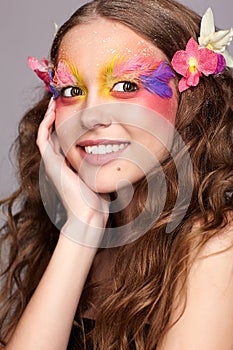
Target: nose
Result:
[[97, 113]]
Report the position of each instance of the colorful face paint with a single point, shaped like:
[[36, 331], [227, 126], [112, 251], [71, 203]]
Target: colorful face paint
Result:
[[111, 111], [153, 76], [65, 74], [55, 79]]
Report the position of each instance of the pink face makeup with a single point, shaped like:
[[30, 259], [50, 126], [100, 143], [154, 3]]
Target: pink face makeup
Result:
[[113, 122], [151, 76]]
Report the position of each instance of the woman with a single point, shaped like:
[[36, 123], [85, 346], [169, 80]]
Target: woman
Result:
[[123, 136]]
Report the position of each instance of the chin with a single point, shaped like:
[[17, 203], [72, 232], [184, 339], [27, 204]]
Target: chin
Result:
[[113, 184], [105, 187]]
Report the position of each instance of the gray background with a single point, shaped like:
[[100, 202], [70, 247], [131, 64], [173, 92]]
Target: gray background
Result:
[[26, 28]]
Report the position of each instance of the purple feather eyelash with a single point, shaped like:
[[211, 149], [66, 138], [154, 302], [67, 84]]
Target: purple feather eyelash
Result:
[[156, 81], [52, 87], [153, 75]]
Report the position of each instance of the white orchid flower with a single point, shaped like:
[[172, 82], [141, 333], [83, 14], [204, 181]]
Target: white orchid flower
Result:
[[216, 41], [55, 25]]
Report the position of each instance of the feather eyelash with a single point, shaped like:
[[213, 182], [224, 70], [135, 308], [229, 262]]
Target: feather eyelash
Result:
[[157, 80], [154, 76]]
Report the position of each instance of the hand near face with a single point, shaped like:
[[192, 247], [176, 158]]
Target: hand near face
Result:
[[83, 206]]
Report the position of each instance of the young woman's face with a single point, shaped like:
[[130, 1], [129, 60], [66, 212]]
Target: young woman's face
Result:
[[113, 116]]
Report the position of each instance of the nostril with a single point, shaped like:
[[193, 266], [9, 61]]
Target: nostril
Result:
[[95, 118]]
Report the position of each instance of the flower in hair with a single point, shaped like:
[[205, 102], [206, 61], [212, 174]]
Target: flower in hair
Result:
[[216, 41], [41, 69], [194, 62]]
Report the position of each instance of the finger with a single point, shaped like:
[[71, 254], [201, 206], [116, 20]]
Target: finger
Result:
[[50, 103], [46, 126], [55, 143], [50, 110]]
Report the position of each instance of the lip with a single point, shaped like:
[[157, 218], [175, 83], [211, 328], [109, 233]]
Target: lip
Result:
[[100, 159], [101, 142]]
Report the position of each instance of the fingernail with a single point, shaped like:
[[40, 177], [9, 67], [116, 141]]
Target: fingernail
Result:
[[51, 106], [50, 102]]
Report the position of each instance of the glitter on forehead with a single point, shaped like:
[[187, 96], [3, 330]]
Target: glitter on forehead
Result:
[[153, 75]]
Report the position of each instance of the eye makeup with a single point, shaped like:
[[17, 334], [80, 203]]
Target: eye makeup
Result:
[[152, 75], [65, 75]]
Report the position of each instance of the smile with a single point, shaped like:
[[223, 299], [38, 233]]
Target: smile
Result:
[[105, 149], [100, 152]]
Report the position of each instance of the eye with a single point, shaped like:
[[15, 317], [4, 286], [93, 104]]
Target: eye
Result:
[[125, 86], [72, 91]]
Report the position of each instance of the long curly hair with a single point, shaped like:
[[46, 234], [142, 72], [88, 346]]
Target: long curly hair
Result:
[[136, 305]]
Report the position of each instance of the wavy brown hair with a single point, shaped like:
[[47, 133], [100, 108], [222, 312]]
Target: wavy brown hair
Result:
[[136, 305]]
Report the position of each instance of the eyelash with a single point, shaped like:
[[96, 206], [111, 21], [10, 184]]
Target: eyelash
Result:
[[75, 91], [133, 85]]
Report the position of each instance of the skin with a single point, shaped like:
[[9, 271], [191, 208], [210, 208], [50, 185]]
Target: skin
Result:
[[129, 116], [47, 320]]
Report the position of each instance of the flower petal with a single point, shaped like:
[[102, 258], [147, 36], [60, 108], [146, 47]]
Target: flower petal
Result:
[[193, 78], [55, 25], [179, 62], [35, 64], [221, 39], [40, 68], [192, 48], [208, 61], [182, 86], [221, 64], [207, 24]]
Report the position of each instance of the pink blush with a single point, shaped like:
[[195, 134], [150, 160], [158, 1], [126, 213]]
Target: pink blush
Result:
[[164, 106]]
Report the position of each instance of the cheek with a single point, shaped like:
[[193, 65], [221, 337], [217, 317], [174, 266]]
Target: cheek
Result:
[[164, 106], [65, 110], [67, 125]]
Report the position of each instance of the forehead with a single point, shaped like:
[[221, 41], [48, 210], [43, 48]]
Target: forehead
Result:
[[100, 39]]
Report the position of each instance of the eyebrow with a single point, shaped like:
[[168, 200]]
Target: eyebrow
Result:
[[121, 66], [75, 73], [153, 75]]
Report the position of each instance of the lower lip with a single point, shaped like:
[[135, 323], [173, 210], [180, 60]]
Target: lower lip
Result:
[[100, 159]]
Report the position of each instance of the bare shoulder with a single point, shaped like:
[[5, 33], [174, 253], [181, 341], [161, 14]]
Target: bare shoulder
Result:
[[221, 241], [207, 321], [212, 270]]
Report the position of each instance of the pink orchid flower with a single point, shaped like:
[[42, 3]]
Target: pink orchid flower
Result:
[[193, 62]]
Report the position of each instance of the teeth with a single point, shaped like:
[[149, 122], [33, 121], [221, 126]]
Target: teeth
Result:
[[104, 149]]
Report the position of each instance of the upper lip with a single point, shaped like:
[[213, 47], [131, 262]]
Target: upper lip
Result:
[[97, 142]]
